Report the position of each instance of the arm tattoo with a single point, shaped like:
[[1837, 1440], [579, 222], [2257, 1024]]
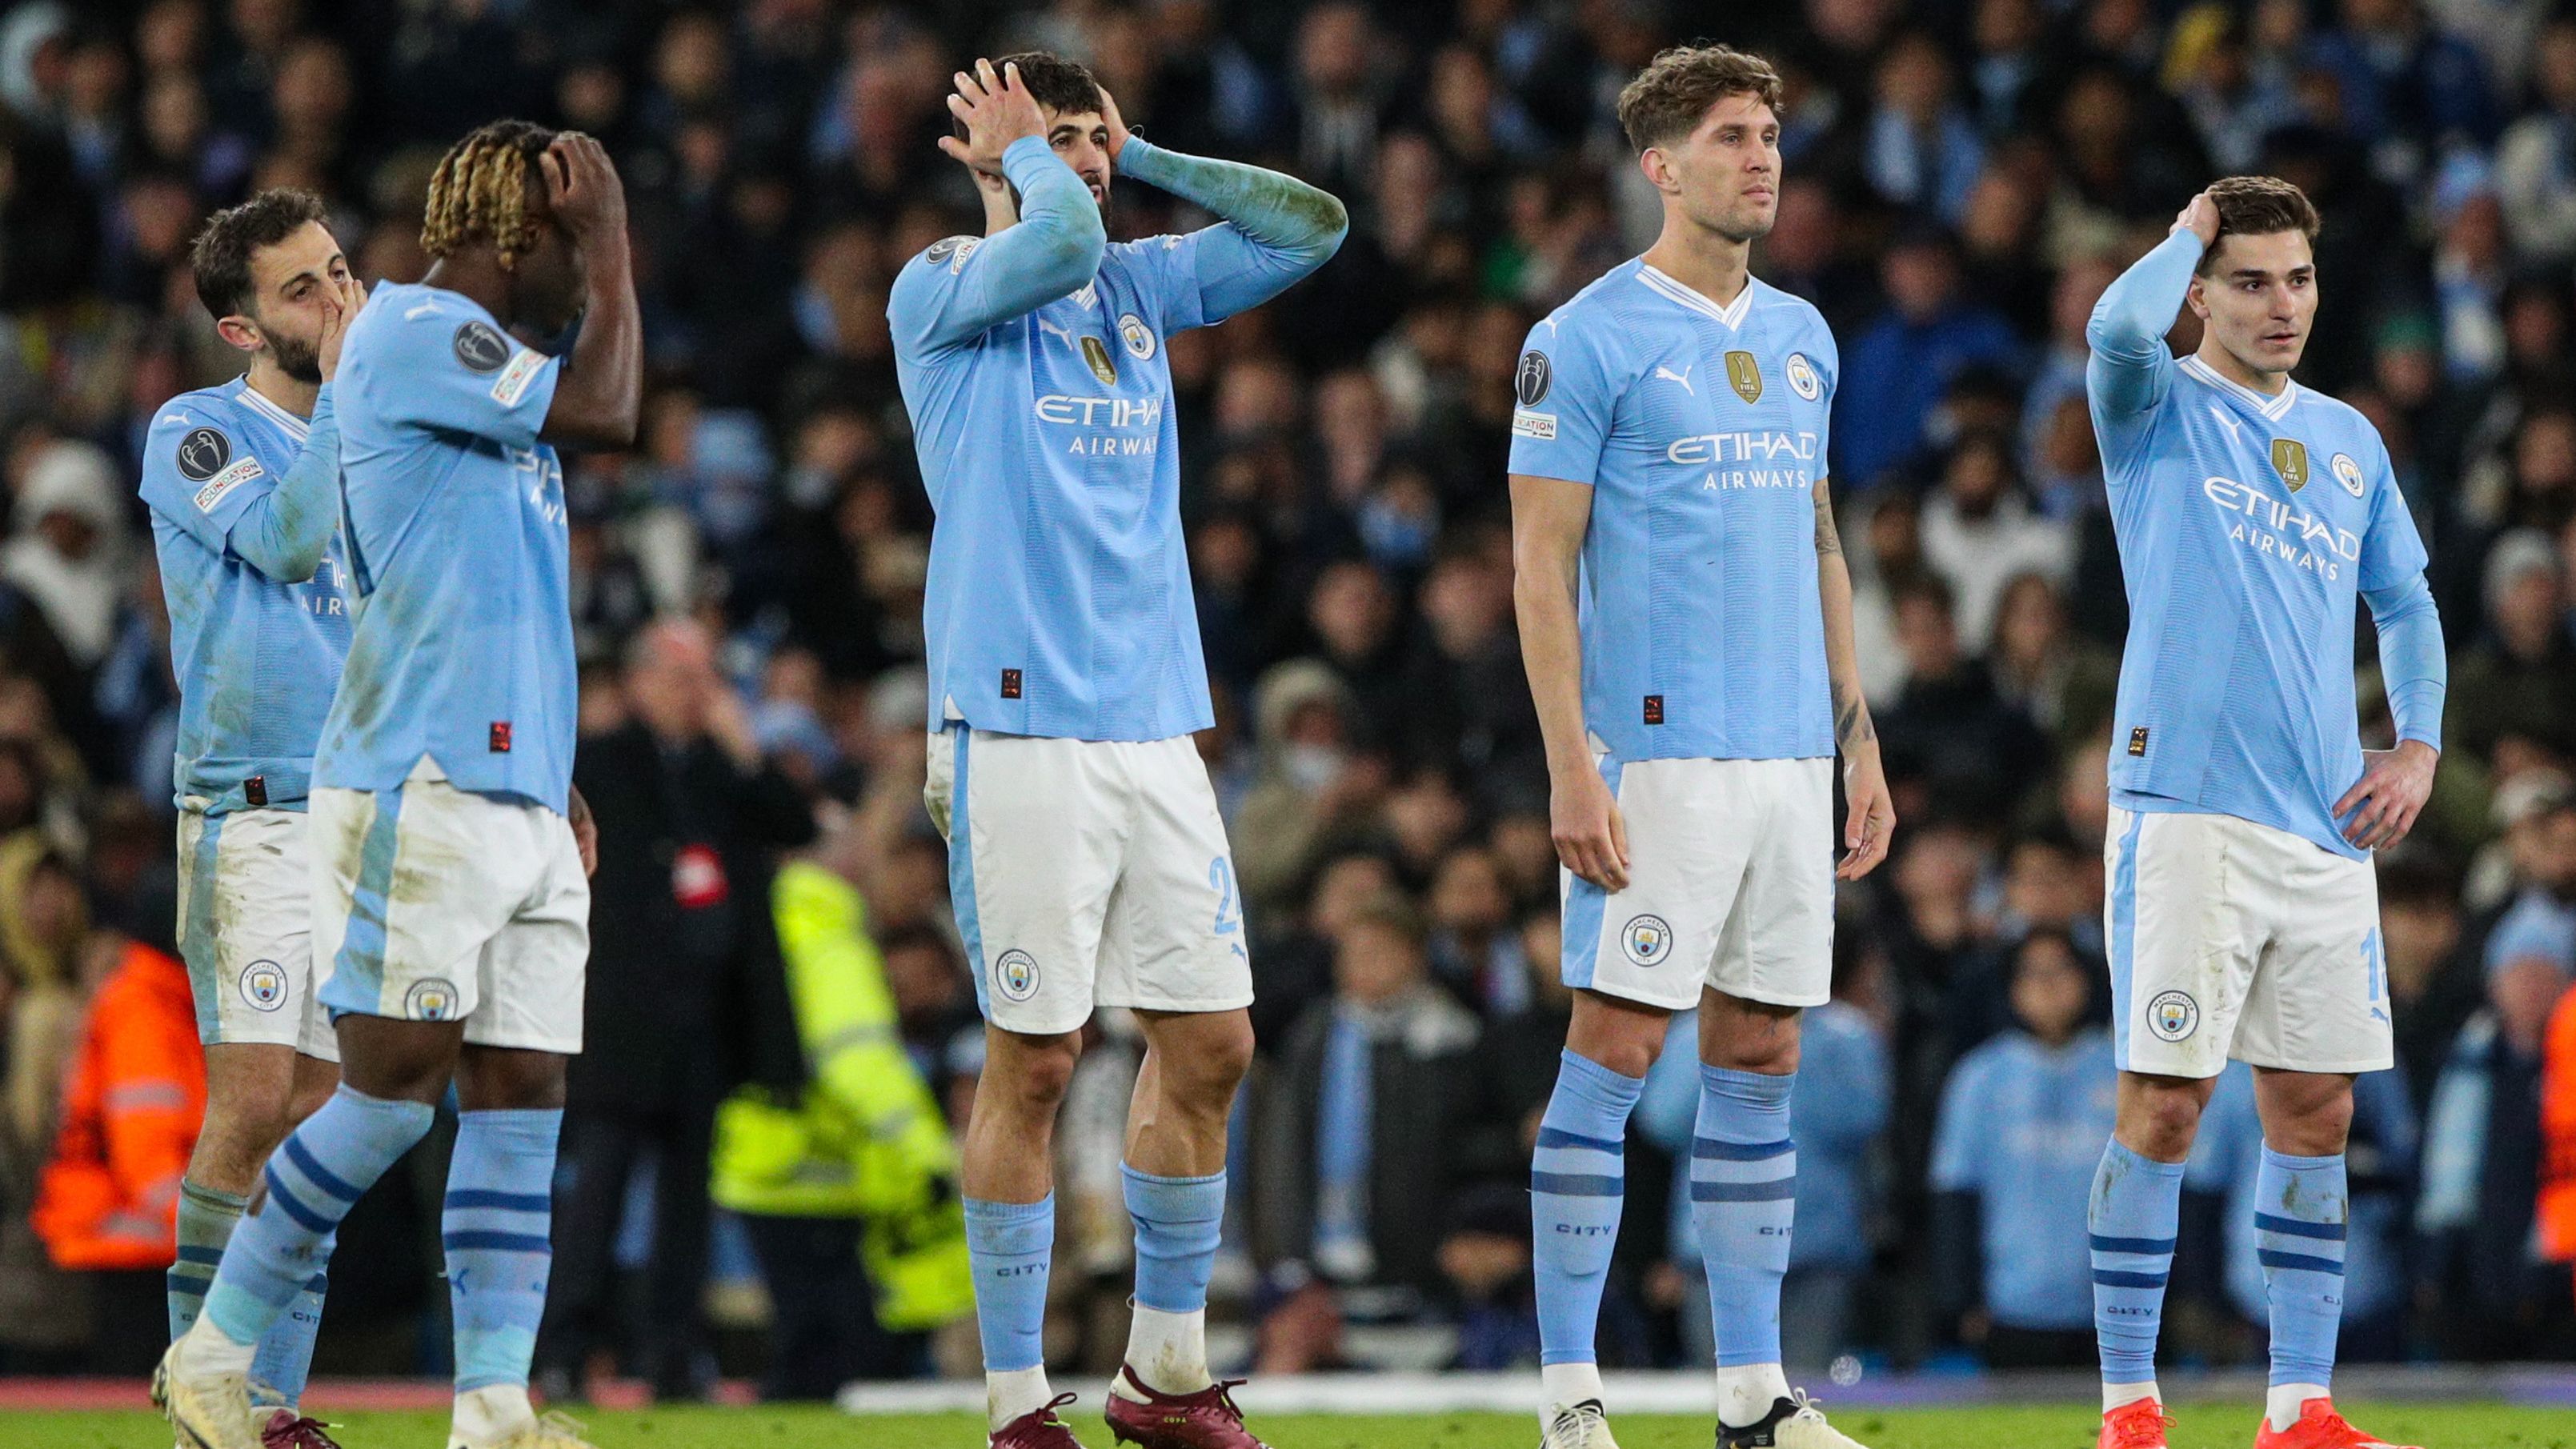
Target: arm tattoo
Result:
[[1851, 718], [1828, 539]]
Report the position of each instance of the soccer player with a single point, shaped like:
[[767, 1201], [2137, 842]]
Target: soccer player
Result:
[[1086, 859], [1685, 618], [2243, 918], [243, 484], [449, 890]]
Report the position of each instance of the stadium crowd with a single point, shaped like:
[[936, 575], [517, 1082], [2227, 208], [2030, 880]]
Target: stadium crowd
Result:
[[1963, 178]]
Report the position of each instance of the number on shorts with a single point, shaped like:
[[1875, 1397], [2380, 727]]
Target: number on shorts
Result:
[[1229, 907]]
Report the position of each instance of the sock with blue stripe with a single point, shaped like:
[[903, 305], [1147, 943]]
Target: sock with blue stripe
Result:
[[1578, 1183], [313, 1180], [2300, 1208], [1010, 1245], [1178, 1222], [497, 1224], [206, 1222], [284, 1361], [2136, 1203], [1743, 1189]]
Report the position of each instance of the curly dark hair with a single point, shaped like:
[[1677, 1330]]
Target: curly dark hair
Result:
[[482, 191], [1063, 86]]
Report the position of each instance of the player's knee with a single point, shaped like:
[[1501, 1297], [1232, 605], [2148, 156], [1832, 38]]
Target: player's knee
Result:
[[241, 1129], [2305, 1114], [1035, 1072], [2160, 1121], [1213, 1066]]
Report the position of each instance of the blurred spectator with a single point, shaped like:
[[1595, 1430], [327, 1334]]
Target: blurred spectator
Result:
[[1949, 728], [107, 1206], [687, 813], [1899, 365], [2515, 687], [1979, 533], [2023, 1120]]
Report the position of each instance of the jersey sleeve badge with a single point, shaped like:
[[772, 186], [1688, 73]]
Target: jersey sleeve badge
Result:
[[481, 347]]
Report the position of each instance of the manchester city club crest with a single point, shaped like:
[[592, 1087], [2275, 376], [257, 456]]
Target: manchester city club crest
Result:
[[1015, 975], [1646, 940], [263, 985], [1103, 366], [2348, 473], [430, 1000], [1136, 336], [2173, 1015], [1802, 377], [2290, 460]]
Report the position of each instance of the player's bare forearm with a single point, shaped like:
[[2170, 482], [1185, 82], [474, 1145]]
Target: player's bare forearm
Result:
[[1549, 519], [1869, 825], [604, 376]]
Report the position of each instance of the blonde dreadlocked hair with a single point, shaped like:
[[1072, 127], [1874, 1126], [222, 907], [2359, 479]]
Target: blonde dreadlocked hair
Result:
[[481, 191]]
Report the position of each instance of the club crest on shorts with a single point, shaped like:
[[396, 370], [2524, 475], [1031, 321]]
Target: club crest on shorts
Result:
[[430, 1000], [1647, 940], [1802, 377], [1015, 975], [2173, 1015], [1136, 336], [2290, 460], [263, 985], [2348, 473]]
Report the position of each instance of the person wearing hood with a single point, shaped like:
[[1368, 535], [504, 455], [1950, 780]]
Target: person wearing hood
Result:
[[1310, 778]]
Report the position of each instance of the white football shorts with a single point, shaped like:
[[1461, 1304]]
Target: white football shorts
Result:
[[246, 930], [432, 903], [1087, 873], [1730, 885], [2232, 939]]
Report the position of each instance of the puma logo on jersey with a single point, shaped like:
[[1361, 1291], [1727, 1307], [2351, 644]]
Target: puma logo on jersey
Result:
[[414, 314], [1682, 377], [2235, 429], [1048, 327]]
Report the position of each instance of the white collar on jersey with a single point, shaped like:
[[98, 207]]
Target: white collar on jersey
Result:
[[2274, 408], [1732, 314], [295, 427]]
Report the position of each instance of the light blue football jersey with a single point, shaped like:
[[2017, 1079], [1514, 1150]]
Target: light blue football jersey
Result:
[[453, 522], [1058, 601], [2248, 526], [1701, 430], [256, 659]]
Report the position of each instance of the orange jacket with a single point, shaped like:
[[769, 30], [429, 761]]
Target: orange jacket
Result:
[[2558, 1133], [109, 1198]]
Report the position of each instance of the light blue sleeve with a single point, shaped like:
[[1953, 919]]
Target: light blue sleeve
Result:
[[441, 364], [1829, 361], [961, 287], [200, 475], [1963, 1135], [2131, 369], [1275, 230], [1565, 403], [2412, 659]]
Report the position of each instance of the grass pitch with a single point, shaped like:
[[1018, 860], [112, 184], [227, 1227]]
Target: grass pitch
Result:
[[2436, 1426]]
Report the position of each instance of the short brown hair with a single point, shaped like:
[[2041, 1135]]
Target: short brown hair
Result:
[[2259, 206], [1668, 97], [1063, 86], [221, 254]]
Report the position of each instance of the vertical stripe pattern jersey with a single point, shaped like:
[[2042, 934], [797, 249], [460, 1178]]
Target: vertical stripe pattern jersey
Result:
[[1702, 431]]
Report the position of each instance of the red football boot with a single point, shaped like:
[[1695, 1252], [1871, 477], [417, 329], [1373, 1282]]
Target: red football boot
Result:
[[1039, 1429], [1207, 1419], [2319, 1427], [2137, 1424]]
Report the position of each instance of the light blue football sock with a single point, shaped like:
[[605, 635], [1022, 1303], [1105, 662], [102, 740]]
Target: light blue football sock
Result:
[[1744, 1188], [1578, 1181], [1010, 1245], [2137, 1202], [285, 1359], [1178, 1221], [206, 1222], [497, 1227], [314, 1178], [2300, 1208]]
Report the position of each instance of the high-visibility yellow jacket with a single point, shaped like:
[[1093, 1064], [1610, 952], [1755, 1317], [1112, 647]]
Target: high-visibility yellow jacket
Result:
[[867, 1139]]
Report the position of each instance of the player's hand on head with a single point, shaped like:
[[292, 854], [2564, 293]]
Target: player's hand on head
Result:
[[1590, 834], [1116, 123], [1869, 825], [583, 189], [2381, 807], [2199, 216], [996, 109]]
